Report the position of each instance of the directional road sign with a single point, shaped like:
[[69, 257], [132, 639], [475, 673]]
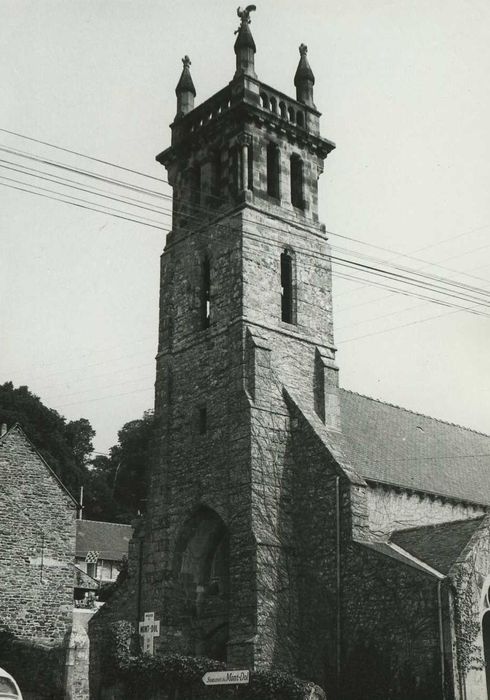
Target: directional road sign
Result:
[[226, 677]]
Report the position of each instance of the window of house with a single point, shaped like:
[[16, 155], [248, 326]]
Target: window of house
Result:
[[205, 294], [286, 287], [92, 569], [297, 198], [272, 170]]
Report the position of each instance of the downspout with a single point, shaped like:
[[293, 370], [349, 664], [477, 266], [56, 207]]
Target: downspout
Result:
[[441, 639], [140, 578], [458, 677], [42, 556], [338, 582]]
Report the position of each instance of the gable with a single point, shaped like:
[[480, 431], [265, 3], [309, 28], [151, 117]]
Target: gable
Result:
[[21, 467], [391, 445]]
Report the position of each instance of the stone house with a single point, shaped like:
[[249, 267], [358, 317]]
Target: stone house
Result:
[[291, 523], [37, 545], [100, 550]]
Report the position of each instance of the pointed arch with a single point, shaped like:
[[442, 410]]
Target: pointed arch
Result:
[[201, 571]]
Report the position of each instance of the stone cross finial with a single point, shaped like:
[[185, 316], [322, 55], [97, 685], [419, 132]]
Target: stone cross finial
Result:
[[186, 61], [245, 14], [303, 49]]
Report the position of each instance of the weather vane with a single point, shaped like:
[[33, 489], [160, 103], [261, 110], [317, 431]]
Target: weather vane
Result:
[[245, 15]]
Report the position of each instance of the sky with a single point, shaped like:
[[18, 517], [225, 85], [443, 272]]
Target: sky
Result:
[[403, 91]]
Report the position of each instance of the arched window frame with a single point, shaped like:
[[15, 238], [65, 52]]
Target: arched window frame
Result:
[[288, 286], [205, 301], [273, 170], [296, 177]]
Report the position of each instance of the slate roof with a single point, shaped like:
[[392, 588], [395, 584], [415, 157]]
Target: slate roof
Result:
[[391, 445], [111, 540], [437, 545], [83, 580]]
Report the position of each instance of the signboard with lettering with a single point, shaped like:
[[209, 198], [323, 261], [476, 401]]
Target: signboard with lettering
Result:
[[226, 677], [149, 629]]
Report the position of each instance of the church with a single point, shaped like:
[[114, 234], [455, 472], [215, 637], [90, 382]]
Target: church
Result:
[[292, 524]]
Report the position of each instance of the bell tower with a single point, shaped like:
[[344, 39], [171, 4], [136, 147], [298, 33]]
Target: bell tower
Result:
[[245, 314]]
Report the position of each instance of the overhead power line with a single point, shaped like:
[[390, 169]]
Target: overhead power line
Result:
[[80, 206], [433, 283], [82, 155], [403, 279], [205, 211]]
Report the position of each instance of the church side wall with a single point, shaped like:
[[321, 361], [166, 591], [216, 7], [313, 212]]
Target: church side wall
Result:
[[470, 576], [390, 629], [320, 506], [391, 509]]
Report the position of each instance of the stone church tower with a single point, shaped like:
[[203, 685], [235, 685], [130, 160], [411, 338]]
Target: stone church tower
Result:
[[245, 308], [291, 524]]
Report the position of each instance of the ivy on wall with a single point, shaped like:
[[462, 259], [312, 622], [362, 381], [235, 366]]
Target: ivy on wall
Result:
[[179, 677], [35, 667], [467, 622]]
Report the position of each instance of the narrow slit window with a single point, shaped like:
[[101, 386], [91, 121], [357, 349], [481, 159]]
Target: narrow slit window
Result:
[[216, 180], [196, 185], [202, 420], [250, 173], [286, 287], [297, 199], [206, 294], [273, 170]]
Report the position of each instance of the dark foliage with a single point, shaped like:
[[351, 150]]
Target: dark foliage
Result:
[[119, 481], [65, 446], [38, 670]]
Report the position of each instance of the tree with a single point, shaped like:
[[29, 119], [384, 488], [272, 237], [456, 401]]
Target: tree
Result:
[[66, 447], [117, 484]]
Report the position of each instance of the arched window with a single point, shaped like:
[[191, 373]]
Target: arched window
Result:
[[273, 105], [296, 171], [265, 100], [272, 170], [205, 293], [287, 300], [291, 114], [300, 121], [283, 110]]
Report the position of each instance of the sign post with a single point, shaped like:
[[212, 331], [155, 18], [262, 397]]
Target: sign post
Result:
[[149, 629], [241, 677]]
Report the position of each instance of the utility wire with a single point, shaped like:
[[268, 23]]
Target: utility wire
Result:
[[82, 155], [263, 225], [352, 264], [74, 184], [340, 261], [222, 199], [80, 206]]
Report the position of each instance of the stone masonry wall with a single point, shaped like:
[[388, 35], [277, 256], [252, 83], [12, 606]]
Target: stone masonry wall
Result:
[[470, 577], [389, 629], [394, 509], [37, 541]]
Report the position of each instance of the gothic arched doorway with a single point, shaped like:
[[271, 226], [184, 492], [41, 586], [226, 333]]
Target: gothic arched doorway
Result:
[[201, 571]]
